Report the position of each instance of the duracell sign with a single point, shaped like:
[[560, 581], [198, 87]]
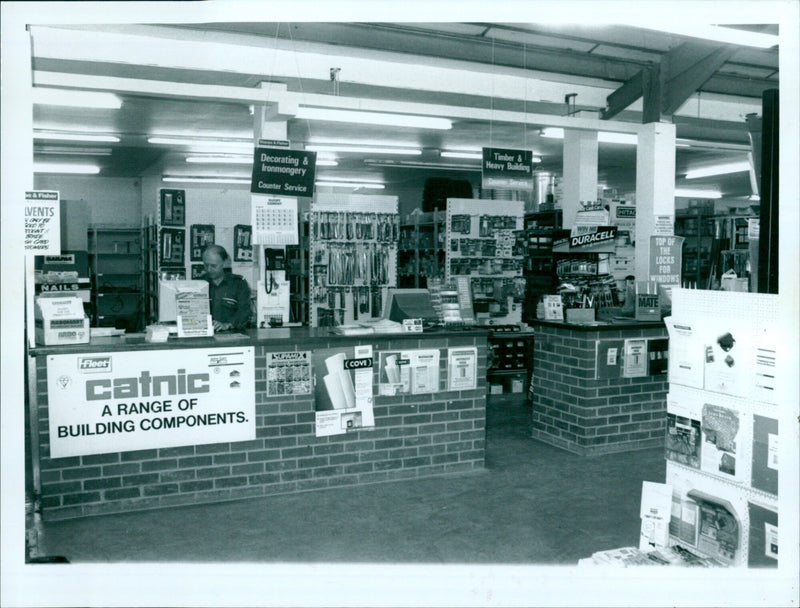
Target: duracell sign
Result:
[[603, 234]]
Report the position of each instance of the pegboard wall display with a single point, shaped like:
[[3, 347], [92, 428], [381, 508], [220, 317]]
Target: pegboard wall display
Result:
[[722, 432], [485, 241], [353, 257]]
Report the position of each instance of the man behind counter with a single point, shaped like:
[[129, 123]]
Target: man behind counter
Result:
[[228, 294]]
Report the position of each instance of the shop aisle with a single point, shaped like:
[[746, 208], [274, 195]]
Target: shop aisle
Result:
[[533, 504]]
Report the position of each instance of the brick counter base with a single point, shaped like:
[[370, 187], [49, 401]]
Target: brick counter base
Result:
[[574, 410], [414, 436]]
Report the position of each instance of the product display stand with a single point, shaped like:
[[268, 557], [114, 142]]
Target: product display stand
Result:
[[722, 427], [352, 257], [485, 242], [114, 259]]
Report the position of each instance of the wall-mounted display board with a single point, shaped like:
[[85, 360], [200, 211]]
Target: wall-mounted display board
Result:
[[172, 246], [485, 242], [722, 425], [242, 243], [352, 257], [172, 208], [201, 236]]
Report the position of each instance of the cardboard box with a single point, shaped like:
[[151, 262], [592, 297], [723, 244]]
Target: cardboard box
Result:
[[61, 320]]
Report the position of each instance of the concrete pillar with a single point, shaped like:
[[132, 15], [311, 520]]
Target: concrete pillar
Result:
[[580, 172], [655, 187]]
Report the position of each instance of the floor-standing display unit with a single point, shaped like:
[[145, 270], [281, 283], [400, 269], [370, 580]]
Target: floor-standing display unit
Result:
[[722, 425], [353, 257], [485, 243], [115, 264]]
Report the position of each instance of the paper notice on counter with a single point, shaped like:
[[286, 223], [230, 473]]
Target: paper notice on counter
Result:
[[685, 353], [635, 358], [462, 368], [343, 397], [42, 228], [288, 373], [409, 372], [655, 512], [194, 314]]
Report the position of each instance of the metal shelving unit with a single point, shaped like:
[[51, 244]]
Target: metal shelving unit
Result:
[[421, 253], [115, 262]]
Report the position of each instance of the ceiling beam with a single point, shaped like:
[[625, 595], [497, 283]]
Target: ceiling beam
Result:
[[624, 96], [687, 68]]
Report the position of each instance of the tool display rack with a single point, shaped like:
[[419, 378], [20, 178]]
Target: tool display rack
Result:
[[421, 251], [115, 257], [361, 297], [749, 493], [297, 273], [485, 241]]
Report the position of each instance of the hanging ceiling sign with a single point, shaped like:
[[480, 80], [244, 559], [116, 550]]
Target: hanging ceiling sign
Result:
[[282, 171], [511, 169]]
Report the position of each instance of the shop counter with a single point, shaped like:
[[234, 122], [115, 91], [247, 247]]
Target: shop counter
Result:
[[121, 424], [599, 388]]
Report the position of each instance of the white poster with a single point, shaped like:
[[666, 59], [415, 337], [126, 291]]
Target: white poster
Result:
[[462, 368], [729, 353], [685, 353], [409, 372], [274, 220], [133, 400], [343, 389], [42, 222], [635, 358], [655, 511]]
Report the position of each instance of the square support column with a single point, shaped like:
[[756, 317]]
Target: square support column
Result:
[[655, 187], [580, 172]]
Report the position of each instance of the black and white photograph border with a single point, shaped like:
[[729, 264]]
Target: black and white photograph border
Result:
[[221, 583]]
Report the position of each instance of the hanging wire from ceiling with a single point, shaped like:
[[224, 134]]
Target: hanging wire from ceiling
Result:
[[300, 81]]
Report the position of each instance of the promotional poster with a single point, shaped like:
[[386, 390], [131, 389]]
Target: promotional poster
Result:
[[343, 389], [123, 401], [409, 372]]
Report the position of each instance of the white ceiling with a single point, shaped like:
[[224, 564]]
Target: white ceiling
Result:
[[500, 83]]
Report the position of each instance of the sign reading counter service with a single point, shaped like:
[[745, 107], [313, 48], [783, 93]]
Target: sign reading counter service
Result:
[[282, 171], [512, 169], [123, 401]]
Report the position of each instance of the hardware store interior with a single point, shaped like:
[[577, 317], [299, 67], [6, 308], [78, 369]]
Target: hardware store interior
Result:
[[427, 285]]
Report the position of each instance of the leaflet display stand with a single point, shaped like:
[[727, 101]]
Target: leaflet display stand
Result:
[[485, 242], [722, 431], [352, 257]]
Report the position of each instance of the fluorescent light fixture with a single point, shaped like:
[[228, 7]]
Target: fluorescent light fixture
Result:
[[67, 136], [78, 99], [326, 162], [212, 145], [690, 193], [363, 149], [373, 118], [72, 150], [65, 168], [723, 169], [727, 35], [197, 179], [607, 137], [337, 184], [221, 160], [469, 155], [413, 164]]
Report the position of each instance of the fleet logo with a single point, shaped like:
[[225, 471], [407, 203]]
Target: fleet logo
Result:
[[94, 365]]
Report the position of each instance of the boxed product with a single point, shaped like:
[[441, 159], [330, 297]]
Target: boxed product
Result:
[[61, 320]]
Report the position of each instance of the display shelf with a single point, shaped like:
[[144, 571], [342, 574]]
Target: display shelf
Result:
[[115, 262], [485, 242], [420, 254]]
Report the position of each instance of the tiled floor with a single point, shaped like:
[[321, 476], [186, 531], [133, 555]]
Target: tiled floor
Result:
[[533, 504]]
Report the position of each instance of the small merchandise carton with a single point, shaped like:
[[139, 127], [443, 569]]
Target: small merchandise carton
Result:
[[61, 320]]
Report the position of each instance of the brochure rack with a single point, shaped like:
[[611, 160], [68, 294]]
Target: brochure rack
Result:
[[722, 428], [352, 257]]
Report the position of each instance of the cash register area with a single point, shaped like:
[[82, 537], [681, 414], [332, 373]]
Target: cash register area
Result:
[[510, 513]]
